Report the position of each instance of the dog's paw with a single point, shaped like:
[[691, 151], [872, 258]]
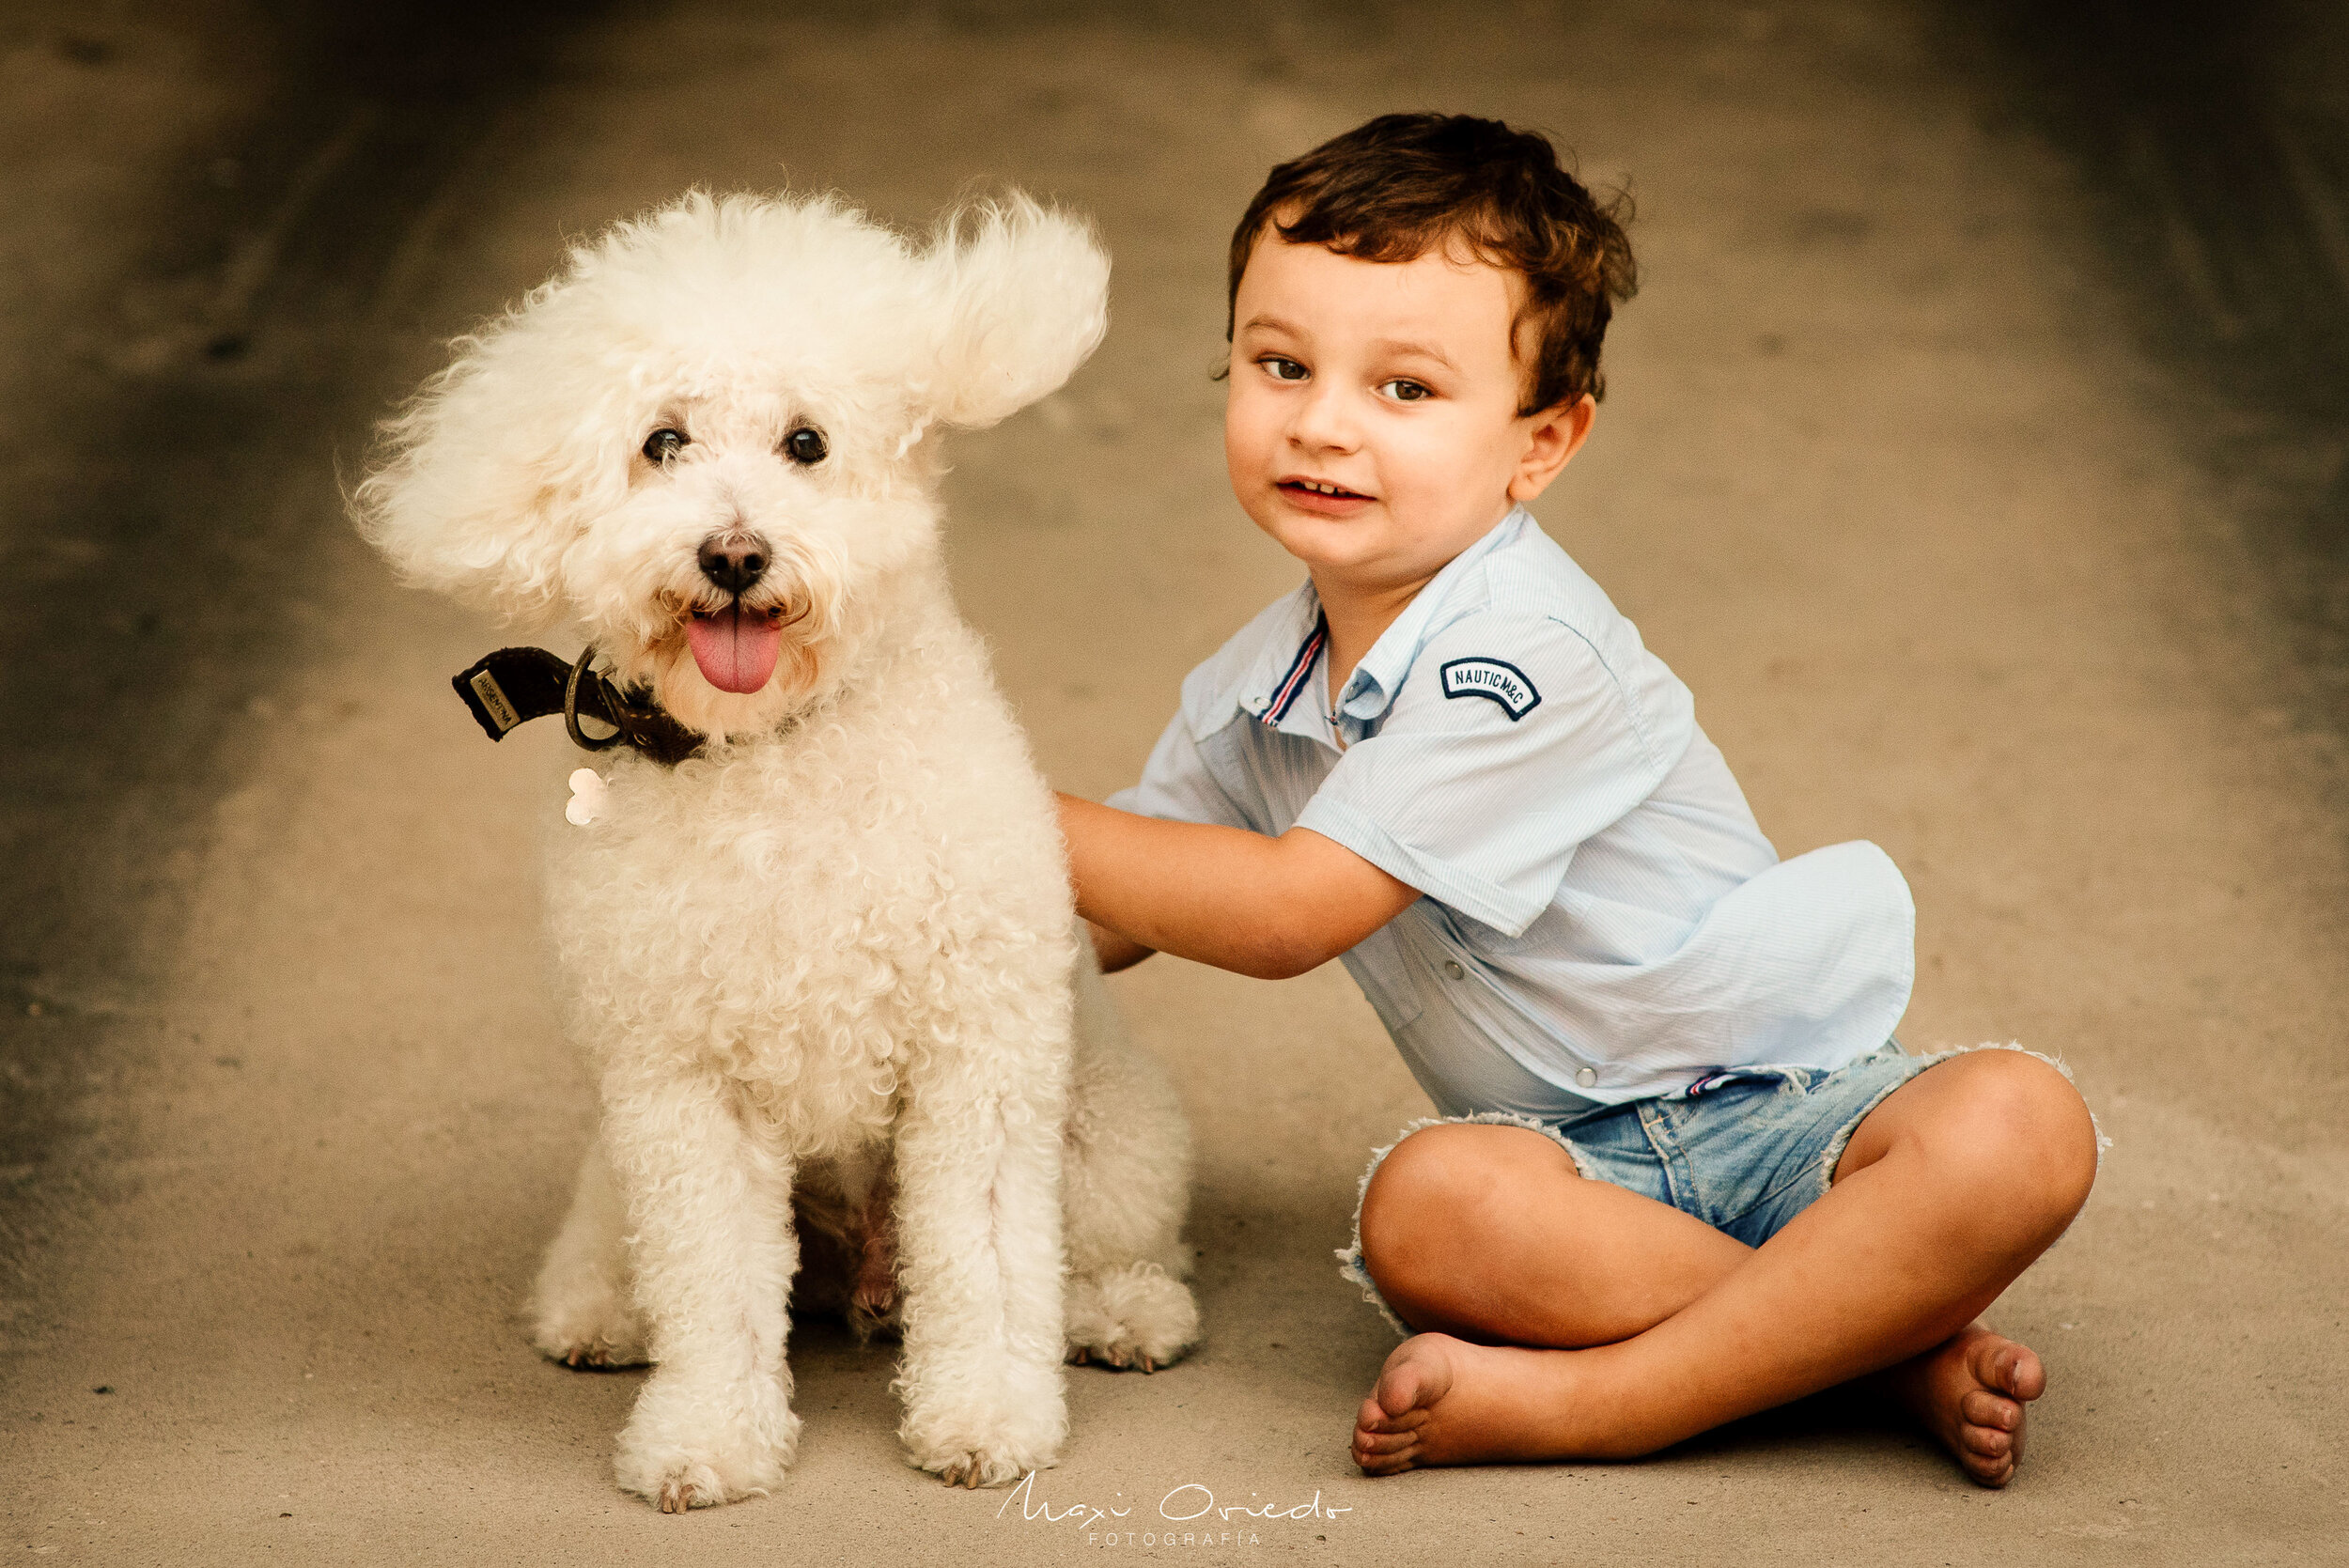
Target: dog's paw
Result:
[[1135, 1316], [693, 1486], [701, 1478], [992, 1436], [875, 1306], [975, 1469], [685, 1448], [868, 1324], [598, 1331], [996, 1459]]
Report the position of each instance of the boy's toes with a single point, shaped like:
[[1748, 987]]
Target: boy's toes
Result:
[[1417, 1374], [1970, 1392], [1980, 1408], [2012, 1367], [1986, 1442], [1384, 1453], [1988, 1469], [1987, 1451], [1389, 1429]]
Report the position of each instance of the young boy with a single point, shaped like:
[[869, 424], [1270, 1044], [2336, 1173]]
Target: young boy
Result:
[[1682, 1173]]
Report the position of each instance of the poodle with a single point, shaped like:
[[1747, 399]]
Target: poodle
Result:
[[815, 928]]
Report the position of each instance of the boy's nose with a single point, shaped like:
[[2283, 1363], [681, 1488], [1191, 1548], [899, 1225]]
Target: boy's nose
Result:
[[1322, 422]]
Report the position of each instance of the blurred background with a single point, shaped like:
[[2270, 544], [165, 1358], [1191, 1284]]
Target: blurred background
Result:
[[1975, 450]]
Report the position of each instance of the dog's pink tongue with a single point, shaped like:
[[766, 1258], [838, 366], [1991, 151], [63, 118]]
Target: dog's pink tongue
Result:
[[735, 652]]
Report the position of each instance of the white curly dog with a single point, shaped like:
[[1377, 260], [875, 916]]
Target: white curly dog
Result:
[[825, 969]]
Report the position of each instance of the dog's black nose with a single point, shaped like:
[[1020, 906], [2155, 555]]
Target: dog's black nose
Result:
[[734, 562]]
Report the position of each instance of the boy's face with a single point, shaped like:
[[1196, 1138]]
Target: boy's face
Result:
[[1394, 385]]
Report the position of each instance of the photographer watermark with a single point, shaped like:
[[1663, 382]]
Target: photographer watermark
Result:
[[1189, 1515]]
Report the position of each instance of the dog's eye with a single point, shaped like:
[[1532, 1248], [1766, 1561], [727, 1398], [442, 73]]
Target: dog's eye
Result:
[[806, 446], [664, 444]]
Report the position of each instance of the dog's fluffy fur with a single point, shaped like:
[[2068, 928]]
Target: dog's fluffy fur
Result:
[[831, 959]]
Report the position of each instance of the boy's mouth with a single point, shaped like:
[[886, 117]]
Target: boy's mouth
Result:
[[1324, 496]]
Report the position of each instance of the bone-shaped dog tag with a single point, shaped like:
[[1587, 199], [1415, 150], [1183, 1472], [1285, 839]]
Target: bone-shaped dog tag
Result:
[[588, 792]]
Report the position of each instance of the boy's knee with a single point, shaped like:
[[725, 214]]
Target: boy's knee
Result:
[[1418, 1178], [1436, 1189], [2023, 1122]]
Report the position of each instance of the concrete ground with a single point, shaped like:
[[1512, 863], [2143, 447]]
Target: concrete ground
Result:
[[1974, 452]]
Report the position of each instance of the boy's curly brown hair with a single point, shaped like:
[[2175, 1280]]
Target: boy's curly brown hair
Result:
[[1402, 185]]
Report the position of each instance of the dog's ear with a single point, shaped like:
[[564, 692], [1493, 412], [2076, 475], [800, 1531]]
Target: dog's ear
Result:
[[1023, 296], [483, 476]]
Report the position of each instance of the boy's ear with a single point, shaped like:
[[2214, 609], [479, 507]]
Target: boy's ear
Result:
[[1552, 438], [1022, 297]]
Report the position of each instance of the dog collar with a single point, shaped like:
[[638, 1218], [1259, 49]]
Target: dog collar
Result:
[[513, 685]]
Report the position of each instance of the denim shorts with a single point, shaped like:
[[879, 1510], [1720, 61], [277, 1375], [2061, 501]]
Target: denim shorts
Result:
[[1744, 1149]]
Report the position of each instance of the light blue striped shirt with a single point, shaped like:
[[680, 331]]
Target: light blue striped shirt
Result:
[[1603, 918]]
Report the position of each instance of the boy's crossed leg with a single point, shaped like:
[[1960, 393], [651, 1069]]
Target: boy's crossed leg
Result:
[[1568, 1318]]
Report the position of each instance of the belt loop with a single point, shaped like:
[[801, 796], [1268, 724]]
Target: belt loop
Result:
[[1679, 1175]]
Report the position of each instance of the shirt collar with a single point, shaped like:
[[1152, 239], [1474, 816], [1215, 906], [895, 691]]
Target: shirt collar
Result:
[[1285, 684]]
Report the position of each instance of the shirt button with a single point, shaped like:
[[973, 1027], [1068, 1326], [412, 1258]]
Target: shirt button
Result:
[[1587, 1076], [1451, 967]]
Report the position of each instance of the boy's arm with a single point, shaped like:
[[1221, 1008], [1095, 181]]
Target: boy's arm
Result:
[[1112, 951], [1272, 908]]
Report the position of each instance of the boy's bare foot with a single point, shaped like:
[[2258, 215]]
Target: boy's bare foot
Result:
[[1969, 1392], [1442, 1401]]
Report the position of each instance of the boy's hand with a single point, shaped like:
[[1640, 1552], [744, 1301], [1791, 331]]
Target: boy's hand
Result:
[[1272, 908]]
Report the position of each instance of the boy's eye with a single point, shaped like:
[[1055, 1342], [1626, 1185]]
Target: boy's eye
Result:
[[1406, 391], [1283, 370]]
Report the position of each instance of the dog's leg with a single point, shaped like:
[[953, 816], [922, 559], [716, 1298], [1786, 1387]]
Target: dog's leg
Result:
[[979, 1242], [582, 1311], [714, 1253], [873, 1304], [1125, 1184]]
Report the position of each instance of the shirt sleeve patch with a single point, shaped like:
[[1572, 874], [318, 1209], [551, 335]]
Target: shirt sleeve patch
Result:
[[1503, 683]]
